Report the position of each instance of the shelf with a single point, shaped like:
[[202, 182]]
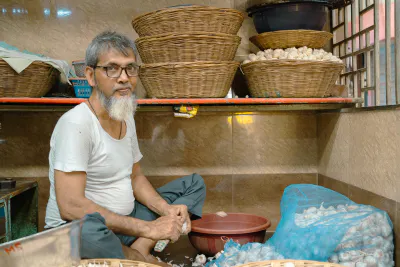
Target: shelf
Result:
[[191, 101], [210, 104]]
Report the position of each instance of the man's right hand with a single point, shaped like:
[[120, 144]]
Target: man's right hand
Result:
[[166, 228]]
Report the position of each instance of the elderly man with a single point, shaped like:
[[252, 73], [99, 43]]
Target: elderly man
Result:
[[95, 172]]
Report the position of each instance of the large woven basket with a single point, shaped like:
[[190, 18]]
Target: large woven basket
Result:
[[287, 263], [35, 81], [189, 19], [115, 263], [188, 47], [291, 78], [188, 79], [291, 38]]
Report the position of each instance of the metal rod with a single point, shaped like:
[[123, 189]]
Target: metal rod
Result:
[[354, 72], [368, 89], [365, 10], [388, 42], [337, 27], [354, 15], [355, 35], [369, 48], [376, 55], [397, 49]]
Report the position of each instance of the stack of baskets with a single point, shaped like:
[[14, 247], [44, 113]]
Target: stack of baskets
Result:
[[288, 77], [188, 51]]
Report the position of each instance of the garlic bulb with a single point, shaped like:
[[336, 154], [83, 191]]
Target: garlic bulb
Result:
[[200, 259], [252, 57]]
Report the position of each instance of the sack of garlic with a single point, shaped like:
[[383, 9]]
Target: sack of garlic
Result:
[[302, 53], [332, 227]]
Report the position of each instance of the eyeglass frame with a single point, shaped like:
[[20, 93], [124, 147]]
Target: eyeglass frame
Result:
[[121, 69]]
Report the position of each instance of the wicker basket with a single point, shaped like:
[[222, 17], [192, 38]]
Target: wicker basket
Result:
[[291, 38], [187, 79], [189, 19], [296, 263], [189, 47], [35, 81], [116, 263], [291, 78], [79, 67]]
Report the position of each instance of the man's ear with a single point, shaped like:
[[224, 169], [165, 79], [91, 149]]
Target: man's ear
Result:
[[89, 73]]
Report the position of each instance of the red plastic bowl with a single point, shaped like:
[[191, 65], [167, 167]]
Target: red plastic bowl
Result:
[[210, 233]]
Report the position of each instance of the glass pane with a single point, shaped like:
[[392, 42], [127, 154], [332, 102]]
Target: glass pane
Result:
[[363, 4], [372, 37], [338, 35], [348, 21], [342, 50], [349, 49], [362, 41], [363, 79], [356, 43], [367, 19], [371, 98], [335, 17], [341, 15], [336, 51], [349, 82], [349, 64]]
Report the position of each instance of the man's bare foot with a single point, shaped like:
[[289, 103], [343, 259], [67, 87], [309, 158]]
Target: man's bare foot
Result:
[[153, 260]]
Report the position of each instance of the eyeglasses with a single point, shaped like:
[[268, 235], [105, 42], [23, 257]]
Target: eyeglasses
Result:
[[115, 71]]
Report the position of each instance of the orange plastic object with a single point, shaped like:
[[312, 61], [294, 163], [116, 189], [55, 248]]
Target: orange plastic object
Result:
[[210, 233]]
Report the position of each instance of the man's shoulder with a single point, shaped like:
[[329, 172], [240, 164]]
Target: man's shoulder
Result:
[[77, 115]]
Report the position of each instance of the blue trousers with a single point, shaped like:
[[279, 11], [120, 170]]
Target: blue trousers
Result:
[[97, 241]]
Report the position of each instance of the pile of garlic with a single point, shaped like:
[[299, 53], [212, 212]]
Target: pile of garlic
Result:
[[302, 53], [235, 256], [368, 244]]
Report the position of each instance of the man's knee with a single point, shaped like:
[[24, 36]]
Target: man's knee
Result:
[[97, 241], [199, 183]]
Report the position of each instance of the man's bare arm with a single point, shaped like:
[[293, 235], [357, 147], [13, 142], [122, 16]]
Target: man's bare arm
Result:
[[72, 203]]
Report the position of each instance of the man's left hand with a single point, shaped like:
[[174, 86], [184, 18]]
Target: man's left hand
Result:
[[181, 211]]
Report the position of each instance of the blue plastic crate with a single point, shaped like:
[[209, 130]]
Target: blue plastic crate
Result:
[[81, 87]]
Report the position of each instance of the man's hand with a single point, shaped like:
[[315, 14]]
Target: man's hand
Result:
[[166, 227], [182, 212]]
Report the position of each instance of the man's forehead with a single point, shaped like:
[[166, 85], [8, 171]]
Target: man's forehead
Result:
[[115, 56]]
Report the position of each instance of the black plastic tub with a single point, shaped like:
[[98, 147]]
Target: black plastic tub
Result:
[[290, 16]]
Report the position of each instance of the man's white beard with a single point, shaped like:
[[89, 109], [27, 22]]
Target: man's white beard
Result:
[[118, 108]]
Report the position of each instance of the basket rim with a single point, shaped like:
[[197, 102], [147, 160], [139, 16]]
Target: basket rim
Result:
[[196, 34], [254, 229], [135, 20], [291, 62], [269, 34], [119, 261], [188, 64], [290, 260]]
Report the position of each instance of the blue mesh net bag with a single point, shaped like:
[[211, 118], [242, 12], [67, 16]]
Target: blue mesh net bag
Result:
[[321, 225]]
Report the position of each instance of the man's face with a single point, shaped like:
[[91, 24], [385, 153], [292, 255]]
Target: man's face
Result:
[[115, 88], [124, 85]]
